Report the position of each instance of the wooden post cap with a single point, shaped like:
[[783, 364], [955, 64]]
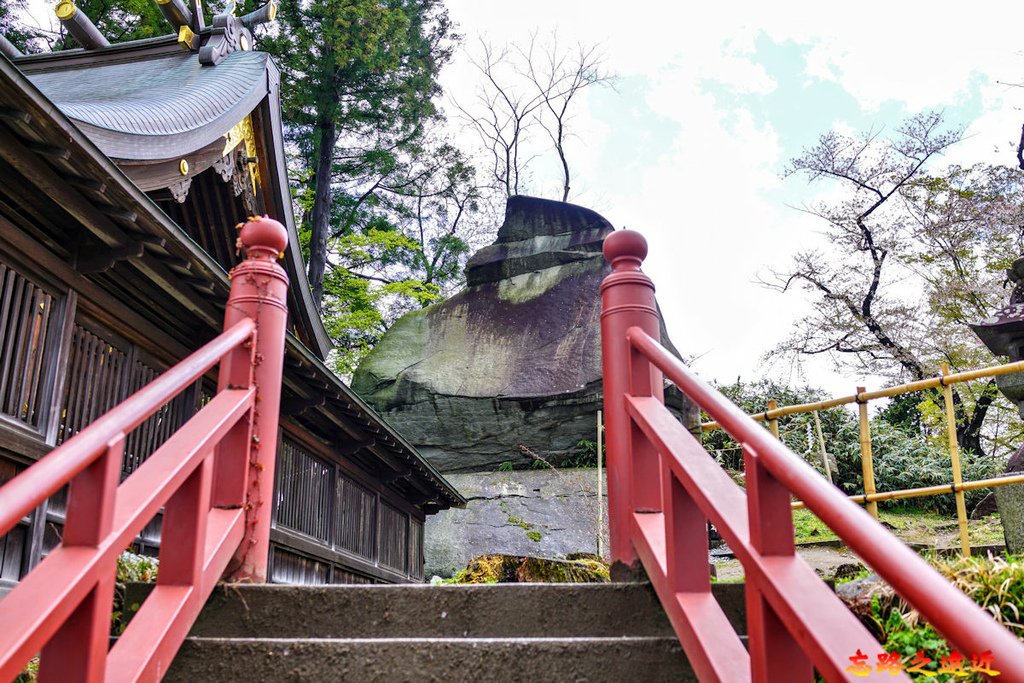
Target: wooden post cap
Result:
[[264, 234], [625, 247]]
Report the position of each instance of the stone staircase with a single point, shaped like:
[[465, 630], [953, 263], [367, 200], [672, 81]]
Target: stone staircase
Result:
[[501, 632]]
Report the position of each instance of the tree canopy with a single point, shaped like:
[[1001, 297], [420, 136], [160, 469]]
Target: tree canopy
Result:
[[915, 255]]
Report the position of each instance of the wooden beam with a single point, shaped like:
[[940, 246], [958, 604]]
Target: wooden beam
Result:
[[86, 183], [200, 284], [422, 499], [395, 475], [51, 151], [296, 405], [118, 213], [15, 115], [44, 177], [146, 238], [354, 446], [99, 260]]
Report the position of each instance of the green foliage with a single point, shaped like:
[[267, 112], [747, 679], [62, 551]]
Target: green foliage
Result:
[[505, 466], [908, 440], [907, 639], [994, 583], [797, 431], [807, 527], [387, 235], [133, 568], [21, 36], [31, 672], [905, 460], [584, 455], [862, 574]]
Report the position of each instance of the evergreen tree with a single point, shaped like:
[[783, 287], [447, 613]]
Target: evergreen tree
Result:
[[359, 81]]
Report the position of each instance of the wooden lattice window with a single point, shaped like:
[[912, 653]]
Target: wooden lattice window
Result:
[[356, 525], [102, 372], [27, 327], [416, 548], [305, 488], [394, 537]]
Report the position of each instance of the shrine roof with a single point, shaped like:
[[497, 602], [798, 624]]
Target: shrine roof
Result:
[[156, 107], [150, 100], [70, 168]]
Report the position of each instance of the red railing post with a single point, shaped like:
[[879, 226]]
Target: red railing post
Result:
[[775, 654], [78, 650], [627, 300], [259, 288]]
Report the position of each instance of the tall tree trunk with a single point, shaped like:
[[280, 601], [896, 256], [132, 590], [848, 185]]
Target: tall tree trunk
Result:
[[320, 223], [968, 429]]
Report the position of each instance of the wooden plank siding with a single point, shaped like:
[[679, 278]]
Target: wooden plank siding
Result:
[[356, 532], [60, 375]]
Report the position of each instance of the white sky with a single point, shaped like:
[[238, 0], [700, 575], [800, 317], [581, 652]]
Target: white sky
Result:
[[714, 99]]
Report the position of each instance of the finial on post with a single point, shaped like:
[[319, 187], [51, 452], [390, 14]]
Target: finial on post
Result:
[[263, 237], [627, 300], [625, 249], [80, 26]]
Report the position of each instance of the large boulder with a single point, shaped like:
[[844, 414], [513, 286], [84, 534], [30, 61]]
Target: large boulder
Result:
[[511, 361]]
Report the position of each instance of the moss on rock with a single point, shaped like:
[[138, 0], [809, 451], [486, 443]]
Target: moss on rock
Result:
[[582, 568]]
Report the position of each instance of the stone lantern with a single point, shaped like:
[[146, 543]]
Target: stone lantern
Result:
[[1003, 334]]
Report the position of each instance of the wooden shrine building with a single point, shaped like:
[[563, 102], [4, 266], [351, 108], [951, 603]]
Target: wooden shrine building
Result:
[[123, 171]]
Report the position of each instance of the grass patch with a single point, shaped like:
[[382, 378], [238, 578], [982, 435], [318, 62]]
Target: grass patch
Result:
[[807, 527], [910, 526]]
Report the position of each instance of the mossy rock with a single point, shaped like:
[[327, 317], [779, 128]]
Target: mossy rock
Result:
[[582, 568]]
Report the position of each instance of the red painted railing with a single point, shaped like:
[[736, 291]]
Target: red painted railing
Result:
[[213, 478], [663, 487]]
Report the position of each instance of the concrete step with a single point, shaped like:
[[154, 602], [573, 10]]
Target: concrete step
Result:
[[500, 632], [451, 660], [425, 611]]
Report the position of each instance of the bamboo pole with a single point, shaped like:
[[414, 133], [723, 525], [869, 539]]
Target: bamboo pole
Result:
[[773, 423], [866, 464], [821, 447], [931, 383], [600, 502], [925, 491], [954, 457]]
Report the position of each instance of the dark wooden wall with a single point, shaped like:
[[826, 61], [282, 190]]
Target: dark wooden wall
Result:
[[69, 352], [364, 533]]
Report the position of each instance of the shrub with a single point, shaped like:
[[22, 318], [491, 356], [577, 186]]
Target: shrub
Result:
[[904, 460]]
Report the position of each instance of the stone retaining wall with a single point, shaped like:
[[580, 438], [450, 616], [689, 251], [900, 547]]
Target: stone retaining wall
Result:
[[525, 512]]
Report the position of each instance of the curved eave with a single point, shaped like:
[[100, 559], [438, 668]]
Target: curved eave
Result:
[[157, 105], [207, 281], [143, 121]]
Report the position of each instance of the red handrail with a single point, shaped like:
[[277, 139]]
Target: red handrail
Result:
[[211, 477], [664, 487], [25, 492]]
